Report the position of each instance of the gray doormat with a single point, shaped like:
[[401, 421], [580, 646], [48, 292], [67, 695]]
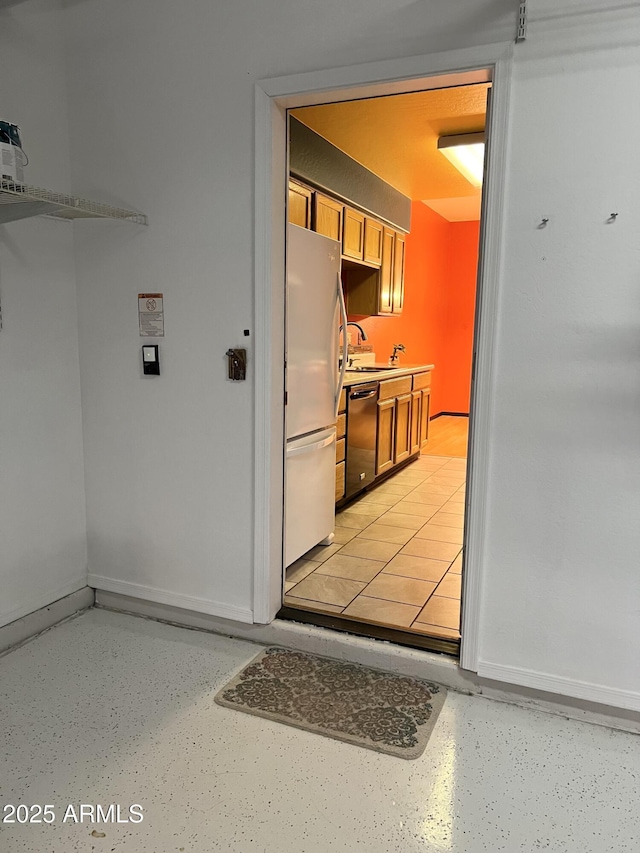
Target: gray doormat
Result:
[[346, 701]]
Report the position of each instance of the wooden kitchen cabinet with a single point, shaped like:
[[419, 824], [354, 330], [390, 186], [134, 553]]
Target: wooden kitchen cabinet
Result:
[[328, 216], [340, 481], [385, 295], [341, 427], [425, 408], [402, 429], [392, 388], [394, 423], [300, 204], [353, 234], [385, 434], [372, 291], [362, 238], [373, 254], [421, 380], [422, 386], [361, 287], [372, 242], [402, 422], [341, 446], [398, 274], [416, 410]]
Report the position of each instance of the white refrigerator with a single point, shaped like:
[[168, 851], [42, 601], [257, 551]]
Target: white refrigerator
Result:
[[314, 310]]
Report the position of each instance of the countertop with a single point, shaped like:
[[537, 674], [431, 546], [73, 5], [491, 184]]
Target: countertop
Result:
[[357, 377]]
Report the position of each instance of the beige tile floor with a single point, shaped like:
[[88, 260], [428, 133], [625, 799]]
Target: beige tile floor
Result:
[[397, 556]]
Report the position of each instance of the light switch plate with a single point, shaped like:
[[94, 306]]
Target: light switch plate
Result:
[[150, 360]]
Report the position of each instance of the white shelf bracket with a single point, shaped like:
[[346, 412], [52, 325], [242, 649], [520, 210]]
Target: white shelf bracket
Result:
[[521, 32]]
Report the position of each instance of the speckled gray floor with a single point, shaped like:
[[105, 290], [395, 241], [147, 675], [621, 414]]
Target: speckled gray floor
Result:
[[108, 708]]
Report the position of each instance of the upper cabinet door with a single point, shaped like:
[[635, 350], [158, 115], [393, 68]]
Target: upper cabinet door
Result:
[[328, 216], [398, 273], [299, 205], [372, 242], [353, 234], [385, 304]]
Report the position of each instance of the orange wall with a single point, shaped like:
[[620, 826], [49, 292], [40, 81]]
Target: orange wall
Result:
[[458, 335], [436, 325]]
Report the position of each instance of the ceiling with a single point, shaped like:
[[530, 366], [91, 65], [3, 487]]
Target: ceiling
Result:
[[396, 138]]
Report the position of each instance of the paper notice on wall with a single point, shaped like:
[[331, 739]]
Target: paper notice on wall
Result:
[[151, 315]]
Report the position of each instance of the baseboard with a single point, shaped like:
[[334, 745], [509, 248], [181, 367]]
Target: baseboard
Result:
[[449, 415], [560, 686], [306, 638], [378, 654], [40, 620], [42, 599], [172, 599]]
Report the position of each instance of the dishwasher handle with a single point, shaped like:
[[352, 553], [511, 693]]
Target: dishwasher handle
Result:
[[363, 395]]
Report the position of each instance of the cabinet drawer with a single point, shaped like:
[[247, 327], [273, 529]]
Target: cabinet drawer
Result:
[[340, 449], [342, 405], [341, 426], [340, 469], [394, 388], [421, 380]]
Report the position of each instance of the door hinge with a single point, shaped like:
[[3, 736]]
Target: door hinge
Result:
[[521, 32], [286, 397]]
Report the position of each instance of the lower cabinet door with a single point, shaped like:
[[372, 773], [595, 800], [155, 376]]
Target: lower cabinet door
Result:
[[424, 417], [416, 409], [340, 481], [402, 432], [386, 428]]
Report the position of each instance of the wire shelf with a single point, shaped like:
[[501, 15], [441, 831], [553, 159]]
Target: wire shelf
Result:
[[20, 201]]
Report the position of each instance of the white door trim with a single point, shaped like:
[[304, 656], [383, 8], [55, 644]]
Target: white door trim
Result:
[[485, 334], [272, 98]]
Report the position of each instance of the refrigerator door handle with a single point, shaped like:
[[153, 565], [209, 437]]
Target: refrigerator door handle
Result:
[[308, 448], [345, 345]]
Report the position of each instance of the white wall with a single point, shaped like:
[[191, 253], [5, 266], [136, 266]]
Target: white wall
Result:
[[42, 519], [162, 118], [562, 592], [168, 127]]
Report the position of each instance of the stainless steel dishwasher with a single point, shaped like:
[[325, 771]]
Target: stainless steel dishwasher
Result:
[[362, 413]]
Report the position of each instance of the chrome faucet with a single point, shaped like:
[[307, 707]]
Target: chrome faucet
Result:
[[362, 335]]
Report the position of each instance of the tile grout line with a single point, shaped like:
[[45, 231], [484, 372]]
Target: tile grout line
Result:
[[386, 509]]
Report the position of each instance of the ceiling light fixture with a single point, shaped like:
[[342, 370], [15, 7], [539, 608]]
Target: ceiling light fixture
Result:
[[466, 152]]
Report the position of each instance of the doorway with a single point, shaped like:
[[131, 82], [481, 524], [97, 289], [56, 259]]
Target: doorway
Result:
[[272, 100], [396, 559]]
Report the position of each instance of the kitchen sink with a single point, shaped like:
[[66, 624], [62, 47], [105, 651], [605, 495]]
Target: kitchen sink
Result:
[[370, 368]]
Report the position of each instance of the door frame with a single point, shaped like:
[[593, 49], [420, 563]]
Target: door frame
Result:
[[273, 97]]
